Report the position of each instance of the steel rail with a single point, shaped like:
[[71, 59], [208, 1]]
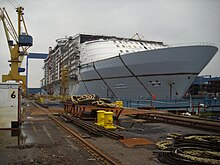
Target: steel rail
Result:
[[102, 158], [81, 124], [185, 121], [97, 130]]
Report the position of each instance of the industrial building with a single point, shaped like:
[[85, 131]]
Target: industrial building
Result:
[[205, 86]]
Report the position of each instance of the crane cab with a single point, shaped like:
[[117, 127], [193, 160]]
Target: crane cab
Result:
[[25, 40]]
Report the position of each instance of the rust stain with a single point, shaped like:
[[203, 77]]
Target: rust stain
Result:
[[132, 142]]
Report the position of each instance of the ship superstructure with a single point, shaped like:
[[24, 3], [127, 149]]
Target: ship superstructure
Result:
[[124, 68]]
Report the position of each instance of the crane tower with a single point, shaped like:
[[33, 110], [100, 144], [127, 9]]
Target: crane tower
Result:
[[18, 43]]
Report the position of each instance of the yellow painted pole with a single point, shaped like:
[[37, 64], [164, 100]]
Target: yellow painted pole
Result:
[[14, 51]]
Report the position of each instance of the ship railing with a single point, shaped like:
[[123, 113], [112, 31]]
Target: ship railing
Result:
[[175, 103], [158, 103], [192, 44]]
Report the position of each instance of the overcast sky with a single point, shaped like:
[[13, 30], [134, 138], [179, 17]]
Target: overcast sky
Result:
[[170, 21]]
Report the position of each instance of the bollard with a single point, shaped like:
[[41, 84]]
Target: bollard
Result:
[[41, 100], [119, 104], [100, 118], [109, 120]]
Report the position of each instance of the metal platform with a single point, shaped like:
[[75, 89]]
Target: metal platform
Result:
[[81, 110]]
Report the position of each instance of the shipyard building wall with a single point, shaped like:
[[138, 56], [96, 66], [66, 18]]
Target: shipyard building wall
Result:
[[9, 105]]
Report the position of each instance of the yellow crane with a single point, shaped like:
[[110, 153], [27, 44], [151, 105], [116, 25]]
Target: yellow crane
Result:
[[64, 83], [18, 43]]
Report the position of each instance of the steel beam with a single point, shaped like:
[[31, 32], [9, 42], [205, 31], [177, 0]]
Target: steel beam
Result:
[[33, 56]]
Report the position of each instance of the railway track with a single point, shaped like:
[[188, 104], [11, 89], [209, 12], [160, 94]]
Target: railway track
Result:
[[96, 153], [92, 128], [185, 121]]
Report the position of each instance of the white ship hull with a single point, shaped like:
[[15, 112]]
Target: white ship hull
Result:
[[123, 68], [165, 73]]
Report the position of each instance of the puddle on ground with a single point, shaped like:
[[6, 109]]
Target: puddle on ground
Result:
[[36, 118], [6, 139], [10, 138]]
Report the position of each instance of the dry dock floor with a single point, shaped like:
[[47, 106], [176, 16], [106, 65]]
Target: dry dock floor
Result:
[[41, 141]]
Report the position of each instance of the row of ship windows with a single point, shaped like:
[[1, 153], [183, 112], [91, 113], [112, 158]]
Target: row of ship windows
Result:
[[131, 47], [155, 83], [121, 51], [140, 47], [137, 43], [127, 51], [126, 42]]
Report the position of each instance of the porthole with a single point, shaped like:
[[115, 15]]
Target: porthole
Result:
[[155, 83]]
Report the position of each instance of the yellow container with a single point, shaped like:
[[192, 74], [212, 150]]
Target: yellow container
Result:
[[109, 120], [100, 118], [119, 104]]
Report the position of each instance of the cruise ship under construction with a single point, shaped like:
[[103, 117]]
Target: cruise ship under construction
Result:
[[123, 68]]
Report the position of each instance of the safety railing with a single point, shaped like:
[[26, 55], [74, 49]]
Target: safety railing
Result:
[[165, 104], [191, 44]]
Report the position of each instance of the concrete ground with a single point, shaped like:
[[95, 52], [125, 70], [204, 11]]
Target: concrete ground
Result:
[[43, 142]]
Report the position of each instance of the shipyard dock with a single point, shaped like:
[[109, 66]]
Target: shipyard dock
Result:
[[106, 99], [48, 136]]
